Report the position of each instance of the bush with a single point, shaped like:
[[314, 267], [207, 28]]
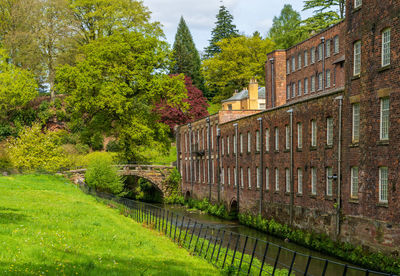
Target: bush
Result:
[[102, 176], [5, 131], [36, 150], [113, 146]]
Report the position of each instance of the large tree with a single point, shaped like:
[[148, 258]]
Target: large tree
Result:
[[224, 28], [326, 13], [175, 115], [241, 58], [114, 86], [186, 58], [17, 86], [286, 29]]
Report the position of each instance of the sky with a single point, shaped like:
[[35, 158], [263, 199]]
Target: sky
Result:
[[249, 15]]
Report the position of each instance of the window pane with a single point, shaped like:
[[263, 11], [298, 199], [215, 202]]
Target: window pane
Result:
[[276, 139], [383, 184], [257, 141], [299, 135], [267, 139], [258, 177], [386, 47], [267, 178], [313, 133], [287, 174], [384, 124], [313, 181], [357, 58], [329, 181], [248, 142], [356, 122], [329, 131], [249, 177], [299, 181], [276, 179], [354, 182], [287, 140]]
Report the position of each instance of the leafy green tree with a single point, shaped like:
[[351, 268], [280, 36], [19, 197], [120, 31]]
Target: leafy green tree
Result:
[[286, 29], [17, 86], [114, 86], [326, 13], [185, 56], [224, 28], [241, 58], [36, 150]]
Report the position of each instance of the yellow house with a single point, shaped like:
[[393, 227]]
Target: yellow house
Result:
[[252, 98]]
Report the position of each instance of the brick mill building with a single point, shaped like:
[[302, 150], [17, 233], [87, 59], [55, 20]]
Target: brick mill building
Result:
[[324, 154]]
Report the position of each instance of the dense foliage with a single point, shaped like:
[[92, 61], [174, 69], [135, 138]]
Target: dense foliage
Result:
[[224, 28], [286, 29], [178, 115], [35, 150], [102, 176], [326, 13], [240, 59], [322, 243], [116, 83], [185, 57]]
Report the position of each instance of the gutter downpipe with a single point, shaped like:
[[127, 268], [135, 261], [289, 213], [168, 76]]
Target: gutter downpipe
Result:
[[261, 170], [209, 156], [218, 164], [272, 60], [191, 158], [236, 166], [339, 175], [291, 207]]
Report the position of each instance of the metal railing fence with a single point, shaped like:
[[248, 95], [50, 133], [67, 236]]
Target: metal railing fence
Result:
[[240, 254]]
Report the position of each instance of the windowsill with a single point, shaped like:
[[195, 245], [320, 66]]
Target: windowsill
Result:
[[248, 152], [276, 151], [299, 149], [257, 189], [356, 77], [313, 196], [267, 151], [330, 198], [299, 195], [312, 148], [328, 146], [382, 204], [354, 145], [354, 200], [258, 152], [356, 9], [286, 150], [267, 191], [382, 143], [384, 68], [287, 193]]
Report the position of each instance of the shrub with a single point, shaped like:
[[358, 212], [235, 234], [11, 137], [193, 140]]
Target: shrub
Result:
[[36, 150], [113, 146], [102, 176], [5, 131]]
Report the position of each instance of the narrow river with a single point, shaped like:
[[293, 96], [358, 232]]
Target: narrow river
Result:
[[316, 267]]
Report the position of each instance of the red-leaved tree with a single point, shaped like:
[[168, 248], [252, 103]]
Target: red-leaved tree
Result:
[[175, 116]]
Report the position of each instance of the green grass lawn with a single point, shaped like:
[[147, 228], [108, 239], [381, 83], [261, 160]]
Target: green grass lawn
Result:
[[48, 226]]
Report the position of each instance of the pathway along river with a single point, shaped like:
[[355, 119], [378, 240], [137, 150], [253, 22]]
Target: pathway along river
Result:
[[285, 256]]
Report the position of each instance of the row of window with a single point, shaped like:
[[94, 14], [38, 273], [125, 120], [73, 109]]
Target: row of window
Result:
[[302, 58], [196, 138], [292, 91], [385, 52], [354, 182]]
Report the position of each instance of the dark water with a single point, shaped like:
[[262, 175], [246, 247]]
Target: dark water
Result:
[[222, 233]]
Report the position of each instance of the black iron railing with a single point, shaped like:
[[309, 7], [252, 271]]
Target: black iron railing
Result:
[[230, 251]]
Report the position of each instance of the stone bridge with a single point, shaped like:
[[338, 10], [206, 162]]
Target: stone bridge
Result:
[[156, 174]]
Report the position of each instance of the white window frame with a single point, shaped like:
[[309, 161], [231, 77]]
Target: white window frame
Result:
[[299, 88], [267, 136], [248, 141], [328, 48], [299, 61], [299, 181], [305, 58], [267, 179], [287, 137], [287, 67], [249, 177], [336, 47], [328, 79], [287, 179], [258, 177], [276, 179], [276, 139], [222, 175], [386, 47], [288, 92], [355, 122], [222, 146], [235, 179], [234, 144], [384, 118], [329, 131], [312, 55], [383, 185], [354, 181], [357, 3], [305, 86], [293, 90], [204, 171], [320, 81], [313, 180], [293, 64], [320, 51], [227, 144], [258, 141], [312, 86], [357, 58], [229, 176], [329, 181], [241, 142], [299, 135], [314, 133], [241, 178]]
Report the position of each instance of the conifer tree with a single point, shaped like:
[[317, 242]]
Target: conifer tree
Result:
[[186, 57], [224, 28]]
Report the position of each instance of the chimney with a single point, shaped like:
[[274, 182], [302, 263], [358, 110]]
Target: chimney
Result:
[[253, 94]]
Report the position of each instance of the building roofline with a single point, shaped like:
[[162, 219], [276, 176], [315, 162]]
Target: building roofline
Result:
[[277, 50], [317, 34], [303, 100]]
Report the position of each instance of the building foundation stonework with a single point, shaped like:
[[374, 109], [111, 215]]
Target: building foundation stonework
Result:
[[324, 154]]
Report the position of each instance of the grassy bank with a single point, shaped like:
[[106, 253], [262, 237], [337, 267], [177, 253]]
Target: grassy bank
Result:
[[50, 227]]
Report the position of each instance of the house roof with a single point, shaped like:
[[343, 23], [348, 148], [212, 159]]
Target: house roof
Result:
[[244, 94]]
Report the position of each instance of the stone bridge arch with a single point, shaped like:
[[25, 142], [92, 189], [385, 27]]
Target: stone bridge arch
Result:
[[157, 175]]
